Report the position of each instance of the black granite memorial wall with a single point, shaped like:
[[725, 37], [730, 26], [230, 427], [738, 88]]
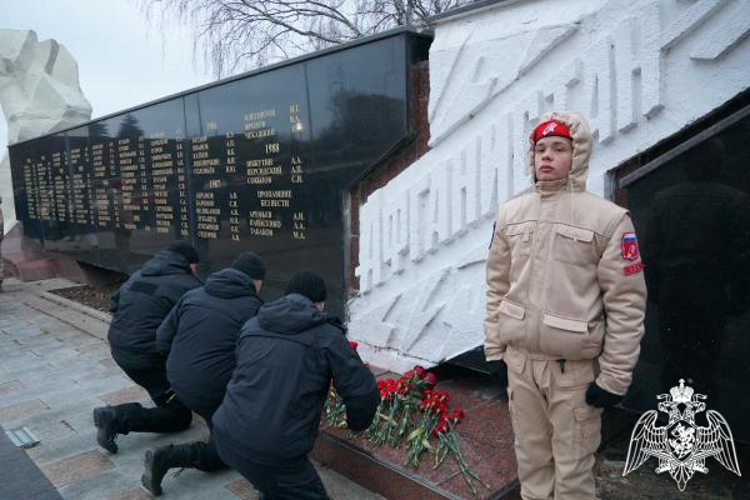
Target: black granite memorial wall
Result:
[[691, 209], [257, 162]]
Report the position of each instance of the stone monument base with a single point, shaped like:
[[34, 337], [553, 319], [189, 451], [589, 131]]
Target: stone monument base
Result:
[[485, 437], [26, 260]]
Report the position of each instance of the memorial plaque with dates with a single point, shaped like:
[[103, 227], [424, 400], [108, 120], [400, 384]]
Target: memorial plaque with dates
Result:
[[257, 162]]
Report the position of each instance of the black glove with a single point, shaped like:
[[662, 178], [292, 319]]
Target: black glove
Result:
[[598, 397]]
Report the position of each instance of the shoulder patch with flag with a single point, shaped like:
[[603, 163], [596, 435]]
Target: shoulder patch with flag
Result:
[[630, 250]]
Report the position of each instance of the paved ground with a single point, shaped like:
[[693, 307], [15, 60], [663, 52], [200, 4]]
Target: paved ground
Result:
[[55, 368]]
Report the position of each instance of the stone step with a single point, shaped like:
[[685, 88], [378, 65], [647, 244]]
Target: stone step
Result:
[[485, 438]]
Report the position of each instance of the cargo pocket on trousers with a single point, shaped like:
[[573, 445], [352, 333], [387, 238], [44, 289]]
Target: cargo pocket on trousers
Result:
[[587, 429]]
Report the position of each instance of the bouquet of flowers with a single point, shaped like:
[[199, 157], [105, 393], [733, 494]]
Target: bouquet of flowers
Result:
[[413, 412]]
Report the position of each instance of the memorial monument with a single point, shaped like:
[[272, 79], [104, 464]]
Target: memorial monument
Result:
[[39, 93], [255, 162]]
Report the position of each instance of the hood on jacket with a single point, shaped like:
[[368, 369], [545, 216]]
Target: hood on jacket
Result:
[[582, 142], [166, 262], [229, 283], [291, 314]]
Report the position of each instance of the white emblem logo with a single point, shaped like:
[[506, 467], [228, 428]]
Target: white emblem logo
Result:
[[549, 128], [682, 446]]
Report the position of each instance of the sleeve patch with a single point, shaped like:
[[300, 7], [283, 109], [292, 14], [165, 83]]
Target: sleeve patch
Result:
[[633, 269], [629, 245]]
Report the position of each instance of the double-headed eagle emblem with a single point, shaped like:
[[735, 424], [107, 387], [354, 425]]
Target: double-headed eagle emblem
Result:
[[681, 446]]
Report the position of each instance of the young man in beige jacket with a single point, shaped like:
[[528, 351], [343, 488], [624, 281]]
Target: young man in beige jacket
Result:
[[566, 301]]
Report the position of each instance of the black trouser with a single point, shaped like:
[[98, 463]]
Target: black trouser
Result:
[[204, 455], [207, 459], [295, 479], [170, 415], [197, 455]]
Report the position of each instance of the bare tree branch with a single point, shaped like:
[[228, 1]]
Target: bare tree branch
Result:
[[236, 35]]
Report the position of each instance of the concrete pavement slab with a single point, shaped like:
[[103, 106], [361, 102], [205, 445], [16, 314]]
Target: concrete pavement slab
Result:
[[55, 368], [72, 469]]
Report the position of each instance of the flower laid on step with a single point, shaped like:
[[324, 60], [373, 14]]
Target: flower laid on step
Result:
[[433, 406], [412, 412], [445, 431]]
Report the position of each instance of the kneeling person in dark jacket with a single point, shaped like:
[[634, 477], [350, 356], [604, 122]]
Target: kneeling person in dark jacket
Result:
[[286, 358], [139, 307], [199, 337]]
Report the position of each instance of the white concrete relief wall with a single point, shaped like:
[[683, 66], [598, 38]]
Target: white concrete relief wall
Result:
[[39, 93], [639, 71]]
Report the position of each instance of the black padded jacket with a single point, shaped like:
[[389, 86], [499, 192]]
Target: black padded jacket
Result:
[[145, 299], [286, 358], [199, 337]]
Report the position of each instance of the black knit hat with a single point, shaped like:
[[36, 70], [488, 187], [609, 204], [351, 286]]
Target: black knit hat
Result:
[[185, 249], [309, 284], [250, 264]]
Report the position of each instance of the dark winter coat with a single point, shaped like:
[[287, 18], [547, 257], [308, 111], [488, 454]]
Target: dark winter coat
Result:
[[286, 358], [200, 335], [145, 299]]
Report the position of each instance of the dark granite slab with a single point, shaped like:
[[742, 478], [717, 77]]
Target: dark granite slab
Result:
[[20, 477]]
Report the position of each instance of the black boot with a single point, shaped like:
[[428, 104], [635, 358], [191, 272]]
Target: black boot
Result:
[[158, 462], [105, 419]]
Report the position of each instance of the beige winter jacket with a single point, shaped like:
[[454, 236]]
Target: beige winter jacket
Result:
[[564, 277]]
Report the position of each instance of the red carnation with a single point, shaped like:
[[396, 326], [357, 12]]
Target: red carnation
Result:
[[431, 379], [354, 344], [457, 415], [441, 427]]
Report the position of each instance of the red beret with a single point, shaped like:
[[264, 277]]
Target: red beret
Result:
[[550, 128]]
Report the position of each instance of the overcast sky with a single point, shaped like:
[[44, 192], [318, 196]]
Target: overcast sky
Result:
[[121, 60]]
